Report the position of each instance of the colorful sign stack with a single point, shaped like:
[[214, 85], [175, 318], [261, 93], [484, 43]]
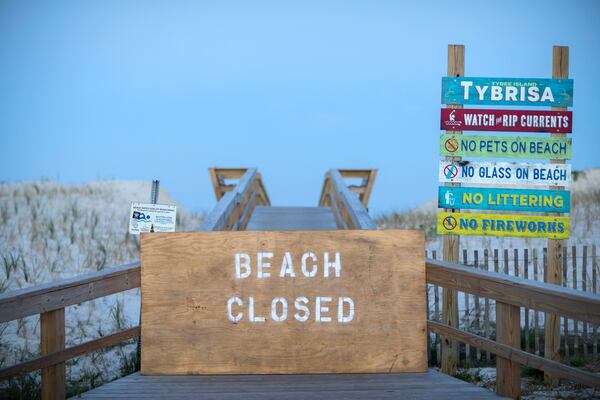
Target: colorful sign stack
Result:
[[511, 186]]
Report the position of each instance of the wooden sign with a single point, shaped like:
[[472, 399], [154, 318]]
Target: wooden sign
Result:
[[470, 119], [503, 225], [477, 198], [558, 148], [505, 173], [283, 302], [508, 91]]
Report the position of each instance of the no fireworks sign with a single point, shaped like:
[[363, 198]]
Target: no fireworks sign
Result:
[[503, 225]]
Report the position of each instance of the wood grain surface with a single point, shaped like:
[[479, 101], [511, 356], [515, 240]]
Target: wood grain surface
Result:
[[187, 279], [418, 386]]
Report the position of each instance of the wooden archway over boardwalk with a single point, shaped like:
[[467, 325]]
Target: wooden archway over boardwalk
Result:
[[239, 207]]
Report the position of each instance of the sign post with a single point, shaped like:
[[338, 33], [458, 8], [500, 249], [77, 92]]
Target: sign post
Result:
[[554, 273], [449, 347], [541, 186], [154, 191]]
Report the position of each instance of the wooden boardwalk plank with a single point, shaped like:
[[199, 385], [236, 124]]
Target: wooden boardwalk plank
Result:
[[326, 386], [291, 219]]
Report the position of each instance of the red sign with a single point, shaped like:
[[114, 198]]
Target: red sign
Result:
[[469, 119]]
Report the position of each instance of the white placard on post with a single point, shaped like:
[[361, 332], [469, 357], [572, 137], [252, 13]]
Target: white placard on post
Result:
[[146, 217]]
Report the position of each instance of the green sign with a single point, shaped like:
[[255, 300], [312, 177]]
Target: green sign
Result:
[[557, 148]]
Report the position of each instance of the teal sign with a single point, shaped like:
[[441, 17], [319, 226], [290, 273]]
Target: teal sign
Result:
[[508, 91], [474, 198]]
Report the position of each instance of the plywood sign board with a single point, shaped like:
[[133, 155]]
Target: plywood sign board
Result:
[[283, 302]]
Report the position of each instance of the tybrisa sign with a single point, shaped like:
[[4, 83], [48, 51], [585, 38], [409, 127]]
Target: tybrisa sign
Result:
[[502, 199], [558, 148], [508, 91], [504, 173], [470, 119], [503, 225]]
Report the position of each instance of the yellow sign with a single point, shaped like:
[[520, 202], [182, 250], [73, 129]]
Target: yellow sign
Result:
[[503, 225]]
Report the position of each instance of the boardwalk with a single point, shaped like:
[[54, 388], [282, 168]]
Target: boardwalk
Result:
[[428, 385], [291, 219], [246, 206]]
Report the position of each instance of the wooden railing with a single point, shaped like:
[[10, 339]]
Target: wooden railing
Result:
[[579, 271], [219, 176], [348, 210], [235, 206], [49, 301], [511, 293]]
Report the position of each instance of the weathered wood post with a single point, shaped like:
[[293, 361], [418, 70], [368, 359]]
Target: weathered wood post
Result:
[[52, 329], [456, 68], [154, 191], [560, 70], [508, 331]]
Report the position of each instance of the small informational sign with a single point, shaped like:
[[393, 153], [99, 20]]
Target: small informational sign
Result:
[[267, 302], [502, 199], [557, 148], [147, 217], [503, 225], [508, 91], [504, 173], [470, 119]]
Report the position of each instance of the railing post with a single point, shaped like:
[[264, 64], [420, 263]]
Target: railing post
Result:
[[52, 327], [508, 331]]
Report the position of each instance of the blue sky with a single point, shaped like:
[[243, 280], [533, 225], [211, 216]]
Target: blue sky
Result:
[[141, 90]]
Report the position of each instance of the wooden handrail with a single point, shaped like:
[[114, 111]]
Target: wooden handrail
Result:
[[368, 180], [55, 295], [506, 289], [218, 176], [515, 291], [235, 206], [517, 355], [348, 210], [510, 294], [61, 356]]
